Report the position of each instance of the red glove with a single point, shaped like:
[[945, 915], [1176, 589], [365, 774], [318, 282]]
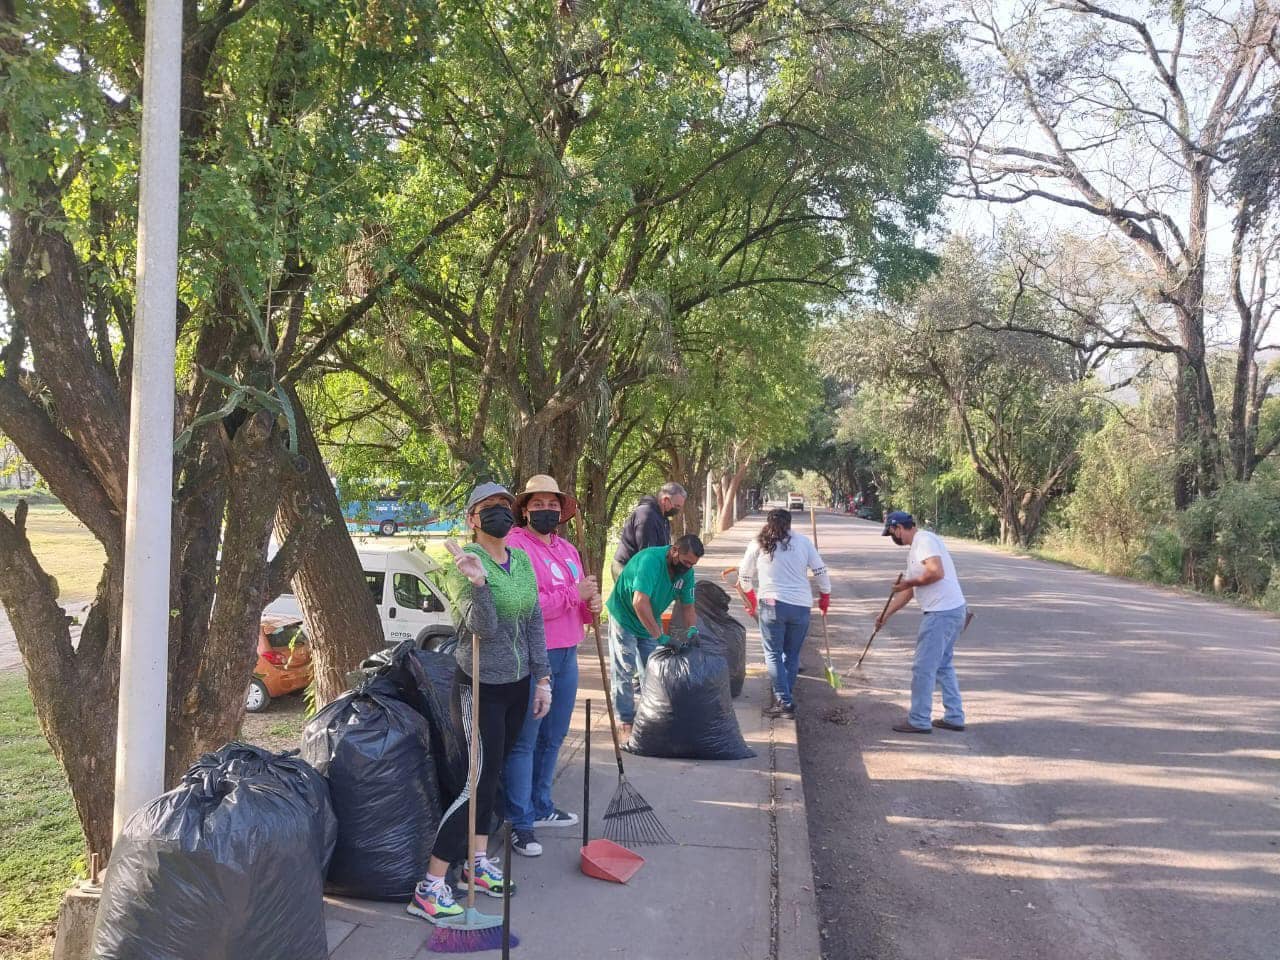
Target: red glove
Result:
[[749, 598], [824, 602]]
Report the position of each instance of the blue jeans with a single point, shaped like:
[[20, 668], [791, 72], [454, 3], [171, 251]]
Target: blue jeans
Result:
[[625, 649], [934, 646], [531, 762], [783, 627]]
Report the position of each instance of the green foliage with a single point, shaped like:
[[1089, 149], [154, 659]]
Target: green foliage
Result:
[[1234, 537], [960, 372], [1163, 558], [1121, 489]]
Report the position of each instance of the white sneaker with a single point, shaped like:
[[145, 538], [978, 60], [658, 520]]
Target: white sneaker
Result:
[[558, 818]]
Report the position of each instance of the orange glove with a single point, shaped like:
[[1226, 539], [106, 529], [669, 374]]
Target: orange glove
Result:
[[749, 598], [824, 602]]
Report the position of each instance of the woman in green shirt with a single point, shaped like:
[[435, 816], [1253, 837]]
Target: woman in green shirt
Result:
[[495, 598]]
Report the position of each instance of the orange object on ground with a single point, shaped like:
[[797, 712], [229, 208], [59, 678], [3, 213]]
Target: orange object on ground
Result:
[[606, 860]]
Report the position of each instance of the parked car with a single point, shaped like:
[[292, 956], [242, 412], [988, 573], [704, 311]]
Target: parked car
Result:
[[795, 501], [284, 662], [410, 604]]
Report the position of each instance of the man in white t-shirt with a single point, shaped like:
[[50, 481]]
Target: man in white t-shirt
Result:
[[931, 579]]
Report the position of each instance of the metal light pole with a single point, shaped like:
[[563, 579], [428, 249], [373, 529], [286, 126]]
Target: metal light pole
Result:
[[144, 648]]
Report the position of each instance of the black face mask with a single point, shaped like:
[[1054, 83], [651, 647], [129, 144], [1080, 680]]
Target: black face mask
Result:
[[671, 512], [497, 520], [544, 521]]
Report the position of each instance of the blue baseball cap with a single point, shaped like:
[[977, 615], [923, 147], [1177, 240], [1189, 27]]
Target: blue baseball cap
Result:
[[897, 518]]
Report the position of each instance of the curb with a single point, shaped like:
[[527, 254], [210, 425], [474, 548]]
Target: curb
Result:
[[794, 922]]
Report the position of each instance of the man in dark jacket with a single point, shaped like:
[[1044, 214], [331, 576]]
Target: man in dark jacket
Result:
[[649, 524]]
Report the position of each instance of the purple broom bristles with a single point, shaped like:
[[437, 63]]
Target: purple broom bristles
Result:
[[454, 940]]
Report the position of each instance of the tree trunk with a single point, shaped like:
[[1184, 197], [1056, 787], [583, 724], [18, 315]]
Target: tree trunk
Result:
[[342, 617], [1033, 506], [566, 449], [593, 504], [206, 694], [728, 495], [73, 690]]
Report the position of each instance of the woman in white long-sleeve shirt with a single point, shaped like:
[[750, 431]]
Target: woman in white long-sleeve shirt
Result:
[[775, 575]]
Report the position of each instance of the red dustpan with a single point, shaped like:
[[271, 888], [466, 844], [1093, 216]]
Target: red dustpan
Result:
[[602, 859], [606, 860]]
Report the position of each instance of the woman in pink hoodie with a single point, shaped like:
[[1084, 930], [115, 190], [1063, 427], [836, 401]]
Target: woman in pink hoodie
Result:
[[569, 600]]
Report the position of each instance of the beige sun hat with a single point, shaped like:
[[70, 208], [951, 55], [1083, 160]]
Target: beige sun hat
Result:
[[541, 483]]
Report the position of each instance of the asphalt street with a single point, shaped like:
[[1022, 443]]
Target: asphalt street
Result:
[[1115, 795]]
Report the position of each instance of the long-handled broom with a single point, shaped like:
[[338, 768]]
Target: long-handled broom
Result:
[[877, 629], [833, 678], [473, 931]]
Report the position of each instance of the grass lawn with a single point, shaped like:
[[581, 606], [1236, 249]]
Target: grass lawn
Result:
[[41, 847], [63, 545]]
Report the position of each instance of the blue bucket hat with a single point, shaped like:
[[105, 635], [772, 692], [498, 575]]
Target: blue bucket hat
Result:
[[897, 518]]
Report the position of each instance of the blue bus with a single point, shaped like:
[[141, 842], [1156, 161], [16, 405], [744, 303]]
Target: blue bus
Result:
[[386, 509]]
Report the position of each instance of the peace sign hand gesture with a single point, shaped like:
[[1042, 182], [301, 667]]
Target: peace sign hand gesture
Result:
[[467, 563]]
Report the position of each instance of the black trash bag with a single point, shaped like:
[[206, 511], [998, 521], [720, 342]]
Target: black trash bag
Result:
[[720, 633], [375, 751], [424, 679], [686, 709], [436, 672], [229, 865]]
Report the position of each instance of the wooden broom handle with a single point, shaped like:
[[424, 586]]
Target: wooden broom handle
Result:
[[604, 671], [472, 773], [608, 697]]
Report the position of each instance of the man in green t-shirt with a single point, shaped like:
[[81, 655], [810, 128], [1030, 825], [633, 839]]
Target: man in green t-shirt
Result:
[[648, 584]]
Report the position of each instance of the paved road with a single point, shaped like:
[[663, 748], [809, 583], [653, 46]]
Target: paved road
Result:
[[10, 658], [1116, 794]]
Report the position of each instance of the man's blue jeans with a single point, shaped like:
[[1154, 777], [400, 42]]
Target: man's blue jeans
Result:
[[935, 644], [625, 649], [783, 627], [531, 762]]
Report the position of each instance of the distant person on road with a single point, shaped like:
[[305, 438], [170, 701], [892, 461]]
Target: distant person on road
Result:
[[569, 599], [779, 561], [649, 524], [931, 577], [648, 584]]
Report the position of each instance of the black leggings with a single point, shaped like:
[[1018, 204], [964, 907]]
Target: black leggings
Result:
[[502, 712]]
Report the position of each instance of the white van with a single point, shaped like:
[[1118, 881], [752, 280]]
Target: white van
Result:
[[410, 605]]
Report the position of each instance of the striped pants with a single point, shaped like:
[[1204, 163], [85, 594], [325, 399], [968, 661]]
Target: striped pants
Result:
[[502, 711]]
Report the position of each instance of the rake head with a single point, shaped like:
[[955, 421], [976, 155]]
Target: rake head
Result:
[[630, 820]]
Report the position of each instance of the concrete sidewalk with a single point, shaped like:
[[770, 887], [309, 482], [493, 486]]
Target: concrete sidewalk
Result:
[[737, 883]]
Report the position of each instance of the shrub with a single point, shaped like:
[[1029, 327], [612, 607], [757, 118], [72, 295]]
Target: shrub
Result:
[[1122, 489], [1163, 558], [1234, 537]]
